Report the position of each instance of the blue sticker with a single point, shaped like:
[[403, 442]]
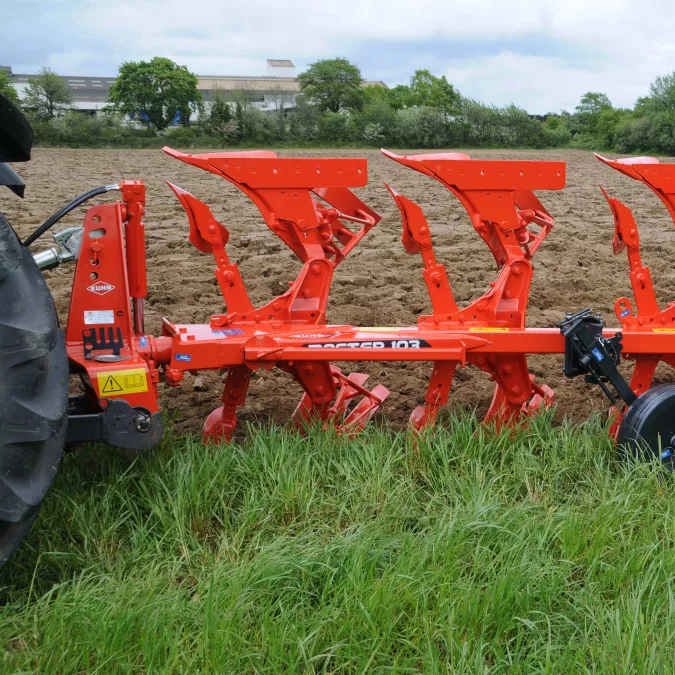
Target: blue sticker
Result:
[[626, 312], [183, 357], [144, 341], [228, 332], [666, 453], [598, 354]]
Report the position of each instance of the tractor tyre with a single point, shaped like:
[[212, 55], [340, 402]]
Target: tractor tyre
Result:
[[647, 430], [33, 390]]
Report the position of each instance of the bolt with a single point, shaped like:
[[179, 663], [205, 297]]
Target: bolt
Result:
[[212, 228], [316, 269], [507, 370], [307, 293], [309, 369], [142, 423], [229, 276], [516, 391], [173, 377], [320, 389], [302, 223], [424, 230], [276, 305], [516, 271], [436, 277]]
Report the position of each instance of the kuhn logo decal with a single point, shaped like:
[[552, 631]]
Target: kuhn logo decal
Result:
[[101, 288]]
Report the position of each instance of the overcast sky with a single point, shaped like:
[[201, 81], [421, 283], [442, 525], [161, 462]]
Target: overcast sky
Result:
[[540, 54]]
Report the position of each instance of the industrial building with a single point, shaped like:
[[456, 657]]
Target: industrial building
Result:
[[276, 89]]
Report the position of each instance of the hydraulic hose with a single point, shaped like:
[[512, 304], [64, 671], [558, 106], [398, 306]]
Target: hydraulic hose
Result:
[[52, 220]]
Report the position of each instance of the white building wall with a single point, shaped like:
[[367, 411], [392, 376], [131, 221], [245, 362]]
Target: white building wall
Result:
[[280, 71]]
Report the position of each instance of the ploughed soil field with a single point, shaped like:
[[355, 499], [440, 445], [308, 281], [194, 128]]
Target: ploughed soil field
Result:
[[378, 284]]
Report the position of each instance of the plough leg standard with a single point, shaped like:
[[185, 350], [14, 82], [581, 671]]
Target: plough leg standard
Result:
[[308, 204]]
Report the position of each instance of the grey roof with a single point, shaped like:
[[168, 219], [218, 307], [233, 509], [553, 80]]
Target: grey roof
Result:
[[83, 88], [280, 63]]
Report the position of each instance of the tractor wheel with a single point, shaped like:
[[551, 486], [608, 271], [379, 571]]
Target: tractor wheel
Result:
[[33, 390], [647, 430]]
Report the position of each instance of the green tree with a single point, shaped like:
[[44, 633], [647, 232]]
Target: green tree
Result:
[[304, 120], [399, 97], [374, 93], [435, 92], [334, 127], [591, 106], [662, 93], [220, 113], [6, 87], [221, 121], [160, 90], [333, 84], [609, 120], [426, 90], [47, 95], [245, 97]]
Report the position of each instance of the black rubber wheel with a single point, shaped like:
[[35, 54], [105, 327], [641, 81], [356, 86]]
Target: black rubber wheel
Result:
[[33, 391], [648, 427]]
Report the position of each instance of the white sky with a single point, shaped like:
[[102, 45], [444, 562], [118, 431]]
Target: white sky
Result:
[[542, 55]]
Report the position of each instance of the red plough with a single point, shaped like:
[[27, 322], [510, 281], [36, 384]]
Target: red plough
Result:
[[310, 206]]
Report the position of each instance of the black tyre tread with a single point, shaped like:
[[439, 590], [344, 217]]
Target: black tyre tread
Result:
[[649, 418], [33, 390]]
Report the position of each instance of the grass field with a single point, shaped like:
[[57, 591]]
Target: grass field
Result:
[[470, 552]]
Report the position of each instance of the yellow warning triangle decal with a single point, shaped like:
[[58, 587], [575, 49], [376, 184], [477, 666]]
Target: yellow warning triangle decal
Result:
[[111, 386]]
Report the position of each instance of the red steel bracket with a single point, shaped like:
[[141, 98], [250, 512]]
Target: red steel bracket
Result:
[[499, 200], [308, 205], [100, 338], [647, 317]]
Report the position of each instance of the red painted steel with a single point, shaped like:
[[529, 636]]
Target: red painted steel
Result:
[[100, 306], [309, 205]]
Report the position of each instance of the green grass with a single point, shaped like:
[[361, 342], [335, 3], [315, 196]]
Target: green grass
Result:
[[471, 552]]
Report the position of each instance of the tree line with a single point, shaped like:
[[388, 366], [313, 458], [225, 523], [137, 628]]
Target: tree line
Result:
[[156, 99]]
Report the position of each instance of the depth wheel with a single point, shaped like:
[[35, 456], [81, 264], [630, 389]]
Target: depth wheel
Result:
[[33, 391], [647, 430]]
